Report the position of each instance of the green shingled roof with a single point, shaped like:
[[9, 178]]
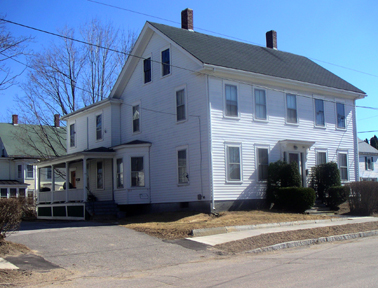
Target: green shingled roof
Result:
[[251, 58], [23, 140]]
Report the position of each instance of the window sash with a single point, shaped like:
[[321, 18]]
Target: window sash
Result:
[[147, 70], [263, 162], [166, 68], [182, 167], [29, 171], [120, 173], [4, 193], [137, 172], [340, 115], [343, 166], [321, 158], [233, 165], [180, 105], [291, 105], [98, 127], [231, 100], [100, 176], [19, 171], [136, 117], [369, 163], [72, 135], [260, 104], [319, 112]]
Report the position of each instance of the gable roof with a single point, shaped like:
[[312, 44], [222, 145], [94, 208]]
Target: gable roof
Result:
[[252, 58], [17, 140], [365, 148]]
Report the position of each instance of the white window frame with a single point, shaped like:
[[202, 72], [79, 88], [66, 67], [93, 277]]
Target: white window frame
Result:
[[181, 148], [47, 173], [27, 171], [337, 116], [131, 172], [239, 146], [228, 83], [102, 126], [296, 108], [324, 118], [138, 103], [7, 194], [343, 167], [151, 69], [20, 174], [369, 166], [177, 89], [255, 105], [120, 173], [257, 160], [102, 174], [170, 61], [74, 134], [320, 151]]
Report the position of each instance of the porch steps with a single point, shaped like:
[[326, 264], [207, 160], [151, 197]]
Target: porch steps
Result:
[[320, 209], [101, 208]]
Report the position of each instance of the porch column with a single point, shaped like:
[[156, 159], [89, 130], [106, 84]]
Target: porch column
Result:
[[85, 184], [37, 184], [52, 178], [67, 179]]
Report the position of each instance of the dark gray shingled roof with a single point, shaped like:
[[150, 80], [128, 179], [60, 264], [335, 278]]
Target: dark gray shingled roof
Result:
[[251, 58], [365, 148]]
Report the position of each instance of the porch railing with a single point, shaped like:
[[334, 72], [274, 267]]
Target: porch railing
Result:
[[60, 196]]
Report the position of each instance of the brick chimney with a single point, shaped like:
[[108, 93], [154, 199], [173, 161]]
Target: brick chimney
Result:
[[15, 119], [56, 120], [187, 19], [271, 39]]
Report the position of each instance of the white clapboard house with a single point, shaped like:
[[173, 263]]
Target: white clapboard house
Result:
[[368, 159], [193, 122]]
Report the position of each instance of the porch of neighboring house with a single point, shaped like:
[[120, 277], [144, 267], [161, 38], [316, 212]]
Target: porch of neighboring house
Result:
[[76, 185], [15, 189]]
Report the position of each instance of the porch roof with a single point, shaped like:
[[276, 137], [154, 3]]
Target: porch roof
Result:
[[304, 144], [12, 183]]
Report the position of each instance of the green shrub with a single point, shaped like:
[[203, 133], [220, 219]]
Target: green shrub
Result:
[[363, 197], [323, 177], [10, 216], [337, 195], [294, 199]]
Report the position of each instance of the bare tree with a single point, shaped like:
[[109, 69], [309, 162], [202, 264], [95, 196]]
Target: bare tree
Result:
[[69, 75], [10, 48]]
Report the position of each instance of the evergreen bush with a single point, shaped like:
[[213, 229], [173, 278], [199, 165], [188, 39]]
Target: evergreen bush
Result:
[[337, 195], [295, 199]]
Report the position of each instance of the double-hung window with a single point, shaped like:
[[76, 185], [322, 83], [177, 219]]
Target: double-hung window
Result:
[[180, 105], [291, 106], [19, 171], [321, 158], [260, 104], [137, 172], [136, 118], [343, 166], [119, 173], [262, 163], [340, 109], [231, 95], [48, 173], [4, 193], [100, 175], [369, 163], [72, 135], [319, 113], [233, 166], [147, 70], [29, 171], [165, 61], [99, 127], [182, 166]]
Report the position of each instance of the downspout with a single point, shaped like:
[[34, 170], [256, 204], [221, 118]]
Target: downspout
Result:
[[211, 178], [356, 150], [149, 172]]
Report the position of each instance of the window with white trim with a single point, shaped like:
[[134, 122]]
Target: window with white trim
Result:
[[19, 171], [369, 163], [180, 105], [137, 172], [72, 135], [165, 62], [136, 118], [147, 70], [343, 166], [48, 173], [182, 166], [260, 104], [319, 113], [29, 172], [291, 108], [119, 173], [262, 163], [4, 192], [231, 97], [99, 127], [100, 175], [321, 158], [233, 163], [340, 109]]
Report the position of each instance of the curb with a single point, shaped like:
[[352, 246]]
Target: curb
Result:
[[308, 242], [229, 229]]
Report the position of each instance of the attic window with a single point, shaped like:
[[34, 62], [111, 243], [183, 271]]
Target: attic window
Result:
[[147, 70], [165, 61]]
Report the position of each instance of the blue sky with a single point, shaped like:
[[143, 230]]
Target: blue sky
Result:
[[339, 32]]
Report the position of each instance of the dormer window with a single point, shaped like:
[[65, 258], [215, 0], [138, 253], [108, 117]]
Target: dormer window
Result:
[[165, 61]]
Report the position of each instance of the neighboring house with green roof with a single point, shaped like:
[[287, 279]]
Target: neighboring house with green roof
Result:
[[22, 145], [368, 159], [194, 120]]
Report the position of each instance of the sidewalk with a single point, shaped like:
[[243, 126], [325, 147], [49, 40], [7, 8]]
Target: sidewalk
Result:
[[241, 233]]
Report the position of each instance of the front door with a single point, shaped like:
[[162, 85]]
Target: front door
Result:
[[297, 158], [73, 179]]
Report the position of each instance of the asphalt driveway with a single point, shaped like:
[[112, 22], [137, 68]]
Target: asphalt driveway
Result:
[[101, 249]]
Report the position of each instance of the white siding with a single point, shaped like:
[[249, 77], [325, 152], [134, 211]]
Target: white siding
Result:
[[251, 133], [368, 173]]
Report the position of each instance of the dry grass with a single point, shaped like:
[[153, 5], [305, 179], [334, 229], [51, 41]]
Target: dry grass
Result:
[[176, 225], [12, 249]]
